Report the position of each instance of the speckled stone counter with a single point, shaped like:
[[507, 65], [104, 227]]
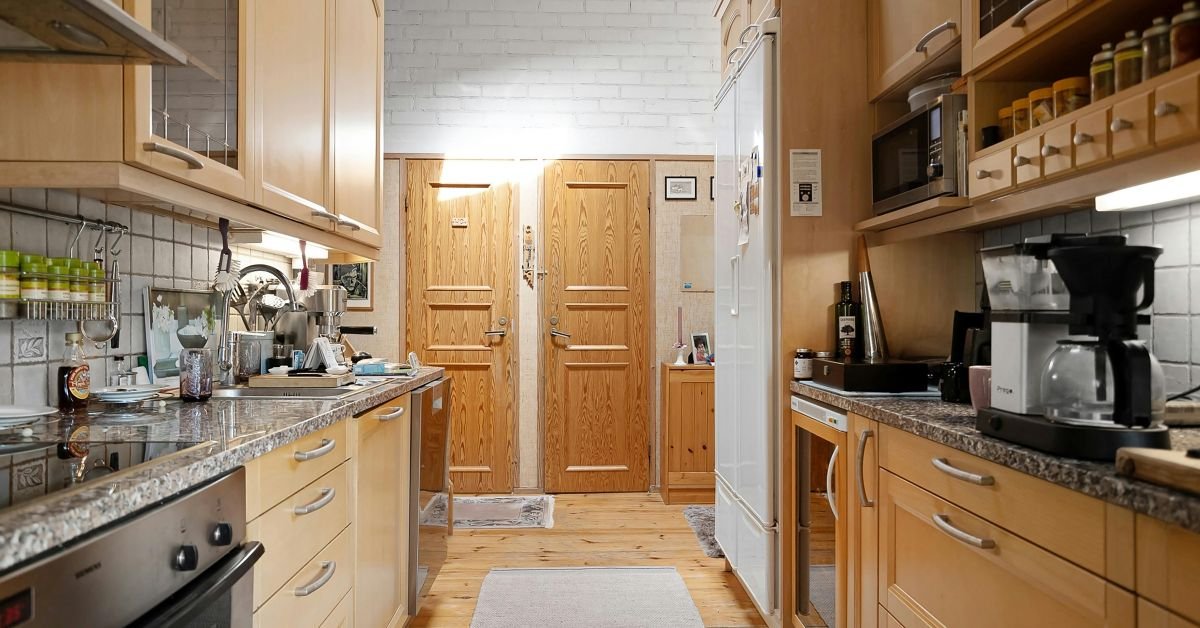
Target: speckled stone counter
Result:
[[953, 425], [230, 432]]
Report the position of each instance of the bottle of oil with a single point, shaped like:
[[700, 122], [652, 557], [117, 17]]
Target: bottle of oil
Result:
[[74, 377], [847, 313]]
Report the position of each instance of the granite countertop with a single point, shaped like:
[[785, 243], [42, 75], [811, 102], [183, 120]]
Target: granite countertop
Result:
[[231, 432], [953, 425]]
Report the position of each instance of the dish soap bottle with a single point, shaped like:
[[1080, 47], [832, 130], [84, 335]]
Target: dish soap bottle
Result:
[[847, 325], [74, 376]]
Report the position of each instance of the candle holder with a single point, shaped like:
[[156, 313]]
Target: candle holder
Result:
[[680, 354]]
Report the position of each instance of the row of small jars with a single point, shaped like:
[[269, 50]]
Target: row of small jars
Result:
[[1136, 58], [37, 278]]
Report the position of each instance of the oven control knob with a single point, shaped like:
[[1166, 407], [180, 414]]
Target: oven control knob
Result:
[[187, 558], [222, 535], [934, 170]]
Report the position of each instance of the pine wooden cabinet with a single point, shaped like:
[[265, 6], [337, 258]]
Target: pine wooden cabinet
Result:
[[906, 36], [1168, 559], [686, 435], [381, 514], [313, 594], [981, 48], [862, 597]]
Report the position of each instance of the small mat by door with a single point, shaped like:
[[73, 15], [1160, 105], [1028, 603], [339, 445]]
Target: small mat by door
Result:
[[500, 511], [586, 597], [703, 521]]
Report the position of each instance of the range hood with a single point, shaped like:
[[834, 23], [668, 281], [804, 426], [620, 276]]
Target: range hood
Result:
[[80, 31]]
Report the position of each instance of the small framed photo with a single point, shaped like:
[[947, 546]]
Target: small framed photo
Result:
[[712, 188], [700, 350], [680, 188], [357, 279]]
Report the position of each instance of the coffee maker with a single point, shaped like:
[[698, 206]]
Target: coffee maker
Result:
[[1069, 376], [321, 318]]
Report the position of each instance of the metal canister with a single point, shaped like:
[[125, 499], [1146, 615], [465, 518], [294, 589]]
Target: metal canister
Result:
[[1185, 35], [1156, 48], [1103, 74], [802, 364], [1127, 59]]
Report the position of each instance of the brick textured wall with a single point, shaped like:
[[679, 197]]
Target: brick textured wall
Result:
[[544, 77]]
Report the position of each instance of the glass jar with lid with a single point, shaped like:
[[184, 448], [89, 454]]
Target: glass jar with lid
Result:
[[1006, 122], [1103, 74], [81, 289], [1185, 35], [1020, 116], [10, 275], [58, 285], [1127, 61], [33, 282], [1156, 49], [1070, 94], [1041, 106], [98, 286], [802, 364]]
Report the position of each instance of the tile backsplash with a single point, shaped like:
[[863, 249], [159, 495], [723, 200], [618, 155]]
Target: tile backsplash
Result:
[[158, 251], [1175, 331]]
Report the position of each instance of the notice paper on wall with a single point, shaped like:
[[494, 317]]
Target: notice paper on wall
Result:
[[805, 181]]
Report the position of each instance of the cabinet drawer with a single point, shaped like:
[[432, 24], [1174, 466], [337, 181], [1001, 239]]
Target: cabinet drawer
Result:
[[1063, 521], [1027, 161], [282, 472], [1091, 139], [942, 566], [1168, 559], [1130, 125], [313, 593], [298, 528], [1056, 150], [1151, 615], [1176, 110], [991, 174], [343, 614]]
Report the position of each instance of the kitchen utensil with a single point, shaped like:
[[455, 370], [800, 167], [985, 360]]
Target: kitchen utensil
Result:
[[979, 379], [1080, 383], [1174, 469], [875, 348], [269, 306], [226, 278], [303, 266]]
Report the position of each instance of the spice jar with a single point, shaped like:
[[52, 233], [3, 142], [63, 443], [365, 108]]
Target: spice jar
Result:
[[1103, 74], [1041, 106], [33, 288], [1006, 122], [1020, 116], [98, 285], [10, 275], [1185, 35], [1070, 94], [58, 286], [1127, 61], [30, 258], [802, 364], [1156, 49], [81, 289]]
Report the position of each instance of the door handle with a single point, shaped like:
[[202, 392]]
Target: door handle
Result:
[[943, 465], [327, 495], [193, 162], [495, 332], [395, 414], [327, 445], [863, 500], [943, 524], [830, 494], [558, 334], [736, 266], [923, 43], [328, 567]]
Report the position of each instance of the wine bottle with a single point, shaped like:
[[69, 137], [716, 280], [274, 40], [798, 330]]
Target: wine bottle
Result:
[[847, 313]]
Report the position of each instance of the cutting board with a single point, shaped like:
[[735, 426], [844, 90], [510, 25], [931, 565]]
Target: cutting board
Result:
[[305, 381], [1165, 467]]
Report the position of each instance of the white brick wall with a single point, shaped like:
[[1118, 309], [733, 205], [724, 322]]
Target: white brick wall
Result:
[[534, 78]]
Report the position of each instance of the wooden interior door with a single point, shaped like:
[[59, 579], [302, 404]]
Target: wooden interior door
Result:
[[595, 298], [461, 307]]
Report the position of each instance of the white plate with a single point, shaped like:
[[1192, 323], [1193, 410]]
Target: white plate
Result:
[[17, 421], [126, 399], [279, 370], [25, 412], [127, 391]]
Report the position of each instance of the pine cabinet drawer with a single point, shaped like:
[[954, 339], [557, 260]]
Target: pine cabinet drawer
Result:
[[312, 594], [1130, 125], [342, 615], [1063, 521], [942, 566], [1176, 110], [1168, 559], [1057, 150], [1027, 160], [991, 174], [280, 473], [1091, 139], [1151, 615], [296, 529]]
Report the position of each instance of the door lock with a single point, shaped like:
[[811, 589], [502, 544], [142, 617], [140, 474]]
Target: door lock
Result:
[[554, 320]]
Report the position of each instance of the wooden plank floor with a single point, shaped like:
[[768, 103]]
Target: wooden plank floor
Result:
[[589, 530]]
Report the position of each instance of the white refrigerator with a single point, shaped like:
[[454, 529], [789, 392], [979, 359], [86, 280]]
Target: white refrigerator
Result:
[[746, 249]]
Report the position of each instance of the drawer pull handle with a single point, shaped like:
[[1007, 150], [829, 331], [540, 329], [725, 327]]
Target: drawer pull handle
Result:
[[348, 224], [1165, 109], [923, 42], [327, 495], [861, 457], [830, 494], [327, 569], [943, 524], [746, 31], [983, 174], [736, 50], [1050, 151], [1083, 138], [1020, 160], [193, 162], [941, 464], [1019, 19], [394, 414], [1120, 124], [327, 445]]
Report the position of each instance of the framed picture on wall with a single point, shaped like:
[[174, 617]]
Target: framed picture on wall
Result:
[[357, 279], [680, 188]]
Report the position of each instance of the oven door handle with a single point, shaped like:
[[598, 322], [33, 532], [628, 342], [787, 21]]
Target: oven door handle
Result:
[[203, 591]]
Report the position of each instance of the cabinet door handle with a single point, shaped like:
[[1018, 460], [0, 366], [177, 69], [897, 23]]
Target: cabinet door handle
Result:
[[327, 445], [746, 31], [1164, 109], [983, 174], [1020, 160], [735, 263], [1083, 138], [327, 569], [860, 460], [1120, 124], [1018, 20], [324, 213], [943, 465], [1050, 151], [830, 495], [923, 42], [349, 224], [943, 524], [193, 162], [327, 495], [729, 59], [394, 414]]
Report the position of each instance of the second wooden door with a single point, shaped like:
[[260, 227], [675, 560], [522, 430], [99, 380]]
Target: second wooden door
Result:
[[461, 306], [596, 322]]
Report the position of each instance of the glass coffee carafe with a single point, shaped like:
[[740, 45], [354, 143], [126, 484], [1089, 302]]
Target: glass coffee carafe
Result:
[[1079, 386]]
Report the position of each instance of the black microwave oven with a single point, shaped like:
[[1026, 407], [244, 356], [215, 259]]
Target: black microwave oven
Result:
[[917, 157]]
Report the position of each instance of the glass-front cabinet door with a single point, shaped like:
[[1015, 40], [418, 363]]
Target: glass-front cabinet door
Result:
[[188, 122]]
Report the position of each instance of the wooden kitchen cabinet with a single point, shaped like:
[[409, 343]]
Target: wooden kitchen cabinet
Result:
[[342, 615], [862, 593], [1130, 125], [982, 48], [1151, 615], [1027, 160], [991, 174], [1168, 559], [382, 480], [686, 435], [314, 593], [1057, 150], [733, 24], [1091, 139], [905, 36], [356, 98], [1176, 110]]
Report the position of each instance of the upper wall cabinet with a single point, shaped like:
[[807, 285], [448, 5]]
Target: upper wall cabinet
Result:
[[733, 26], [908, 38], [998, 26], [356, 95]]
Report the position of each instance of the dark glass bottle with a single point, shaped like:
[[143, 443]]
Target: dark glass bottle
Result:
[[74, 377], [846, 319]]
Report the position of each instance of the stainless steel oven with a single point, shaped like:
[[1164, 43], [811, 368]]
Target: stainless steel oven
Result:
[[182, 563], [917, 157]]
